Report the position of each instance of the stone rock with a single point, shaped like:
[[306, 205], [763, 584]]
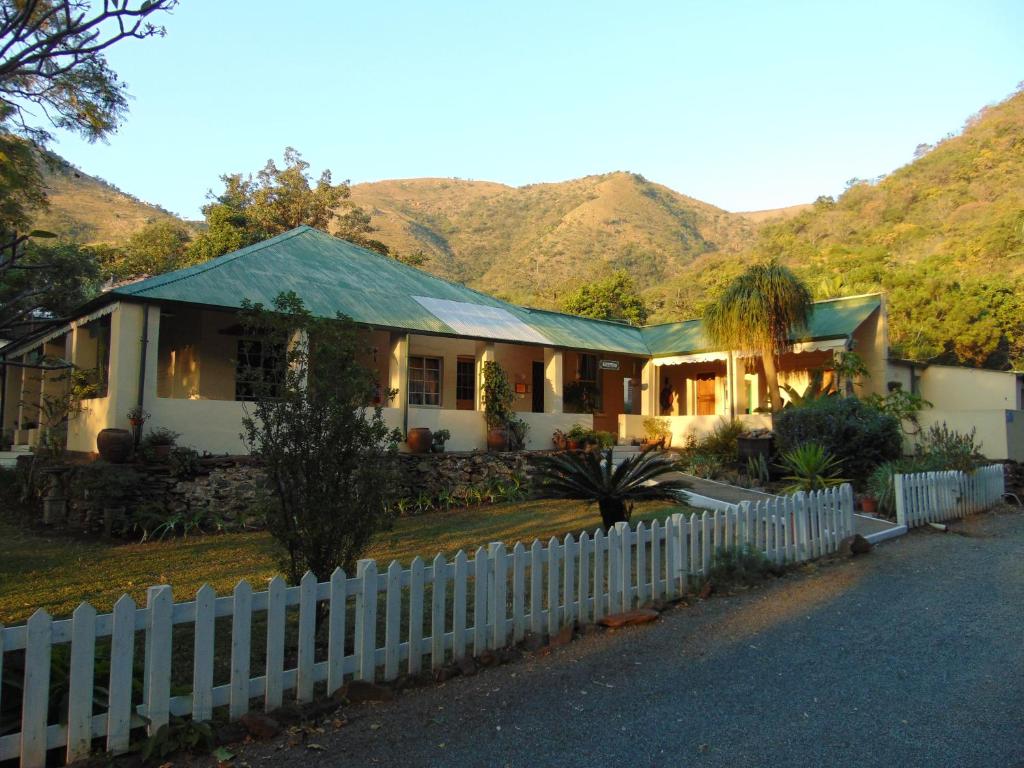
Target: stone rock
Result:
[[854, 545], [467, 666], [446, 673], [563, 636], [629, 618], [359, 691], [260, 726]]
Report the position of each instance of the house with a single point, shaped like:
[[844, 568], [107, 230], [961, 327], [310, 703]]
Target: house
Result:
[[173, 345]]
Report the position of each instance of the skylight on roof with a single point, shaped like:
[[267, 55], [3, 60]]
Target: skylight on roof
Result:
[[481, 321]]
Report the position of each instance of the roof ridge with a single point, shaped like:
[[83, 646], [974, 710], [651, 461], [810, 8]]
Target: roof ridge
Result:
[[219, 261]]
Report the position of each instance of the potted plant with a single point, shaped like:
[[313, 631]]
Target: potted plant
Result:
[[440, 437], [498, 398], [137, 416], [657, 432], [161, 441], [559, 440], [517, 429], [419, 440], [575, 436]]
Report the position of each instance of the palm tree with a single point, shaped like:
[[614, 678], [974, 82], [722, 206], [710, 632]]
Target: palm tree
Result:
[[758, 312], [590, 476]]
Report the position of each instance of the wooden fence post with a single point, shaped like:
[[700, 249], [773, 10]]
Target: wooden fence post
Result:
[[160, 602], [81, 682], [277, 599], [35, 700], [336, 629]]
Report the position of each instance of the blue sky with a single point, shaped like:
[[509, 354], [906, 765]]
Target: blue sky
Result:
[[745, 105]]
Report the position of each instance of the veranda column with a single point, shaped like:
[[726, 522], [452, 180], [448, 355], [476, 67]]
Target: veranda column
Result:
[[484, 354], [554, 380], [649, 389], [398, 375], [739, 386]]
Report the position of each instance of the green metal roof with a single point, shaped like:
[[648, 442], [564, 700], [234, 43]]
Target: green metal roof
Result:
[[332, 276]]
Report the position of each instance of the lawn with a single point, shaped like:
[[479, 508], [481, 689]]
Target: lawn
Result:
[[57, 572]]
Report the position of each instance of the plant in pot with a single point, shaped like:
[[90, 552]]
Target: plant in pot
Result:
[[440, 437], [559, 440], [159, 443], [517, 430], [575, 437], [419, 440], [498, 398], [657, 432]]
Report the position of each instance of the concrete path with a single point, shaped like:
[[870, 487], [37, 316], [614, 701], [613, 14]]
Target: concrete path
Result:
[[911, 656]]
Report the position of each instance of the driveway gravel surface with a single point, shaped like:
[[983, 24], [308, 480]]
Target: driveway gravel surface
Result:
[[910, 656]]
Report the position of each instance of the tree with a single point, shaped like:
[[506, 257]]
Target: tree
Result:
[[758, 312], [612, 298], [39, 284], [325, 450], [591, 476], [159, 247], [278, 199]]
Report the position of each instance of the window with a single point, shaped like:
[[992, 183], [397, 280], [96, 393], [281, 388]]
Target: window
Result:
[[584, 394], [425, 381], [259, 369], [93, 356], [465, 383]]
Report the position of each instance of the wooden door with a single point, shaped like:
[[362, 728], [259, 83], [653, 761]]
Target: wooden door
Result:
[[706, 395], [539, 385]]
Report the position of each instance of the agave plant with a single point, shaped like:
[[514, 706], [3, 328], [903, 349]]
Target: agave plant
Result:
[[590, 476], [811, 468]]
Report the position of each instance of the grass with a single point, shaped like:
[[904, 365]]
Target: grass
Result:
[[54, 572]]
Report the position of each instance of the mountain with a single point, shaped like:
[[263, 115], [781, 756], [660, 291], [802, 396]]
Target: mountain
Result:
[[532, 244], [88, 210]]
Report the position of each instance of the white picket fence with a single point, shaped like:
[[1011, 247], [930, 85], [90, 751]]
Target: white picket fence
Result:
[[931, 497], [539, 589]]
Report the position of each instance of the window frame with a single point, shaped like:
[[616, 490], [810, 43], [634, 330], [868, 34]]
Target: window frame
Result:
[[252, 383], [422, 380]]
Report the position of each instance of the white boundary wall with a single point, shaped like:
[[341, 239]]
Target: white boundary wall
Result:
[[430, 613], [931, 497]]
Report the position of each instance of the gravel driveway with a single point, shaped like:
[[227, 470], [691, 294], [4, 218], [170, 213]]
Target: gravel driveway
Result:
[[910, 656]]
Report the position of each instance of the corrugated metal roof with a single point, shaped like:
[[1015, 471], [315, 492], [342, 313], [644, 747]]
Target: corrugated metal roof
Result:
[[332, 276]]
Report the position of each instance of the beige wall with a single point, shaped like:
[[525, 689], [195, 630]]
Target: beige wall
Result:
[[950, 388], [871, 342], [1000, 431], [632, 427]]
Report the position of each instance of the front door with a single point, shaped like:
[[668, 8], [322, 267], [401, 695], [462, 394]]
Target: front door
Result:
[[706, 395], [465, 384], [538, 387]]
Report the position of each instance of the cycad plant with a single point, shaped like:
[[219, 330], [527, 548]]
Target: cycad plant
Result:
[[811, 468], [590, 476]]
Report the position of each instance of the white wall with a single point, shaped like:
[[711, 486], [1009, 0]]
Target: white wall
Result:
[[950, 388], [631, 427], [999, 430]]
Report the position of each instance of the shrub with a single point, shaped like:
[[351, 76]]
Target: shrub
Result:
[[704, 465], [941, 448], [721, 441], [742, 566], [858, 436], [811, 468], [882, 486]]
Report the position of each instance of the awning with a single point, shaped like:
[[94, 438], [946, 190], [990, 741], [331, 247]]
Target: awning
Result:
[[700, 357], [60, 330]]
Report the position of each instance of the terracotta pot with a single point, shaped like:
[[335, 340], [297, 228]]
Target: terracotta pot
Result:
[[497, 440], [869, 504], [419, 440], [114, 445], [573, 445], [162, 452]]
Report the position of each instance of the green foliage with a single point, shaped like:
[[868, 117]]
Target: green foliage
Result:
[[22, 187], [857, 435], [900, 404], [614, 298], [941, 448], [811, 468], [438, 438], [757, 468], [816, 389], [721, 441], [706, 465], [759, 311], [744, 566], [497, 396], [160, 436], [323, 448], [881, 484], [178, 735], [656, 429], [159, 247], [590, 476]]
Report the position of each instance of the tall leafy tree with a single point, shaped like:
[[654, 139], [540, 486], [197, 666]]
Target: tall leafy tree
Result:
[[156, 248], [758, 312], [613, 298]]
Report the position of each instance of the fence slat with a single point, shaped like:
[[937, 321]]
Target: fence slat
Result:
[[615, 604], [583, 577], [307, 638], [518, 592], [498, 594], [36, 693], [81, 681], [415, 662], [569, 579], [536, 588], [437, 603], [366, 620], [241, 628], [706, 528], [656, 590], [641, 563], [480, 574], [393, 620], [119, 688], [679, 576], [461, 581], [338, 607], [160, 602], [600, 543], [626, 564], [276, 602], [202, 650], [552, 586]]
